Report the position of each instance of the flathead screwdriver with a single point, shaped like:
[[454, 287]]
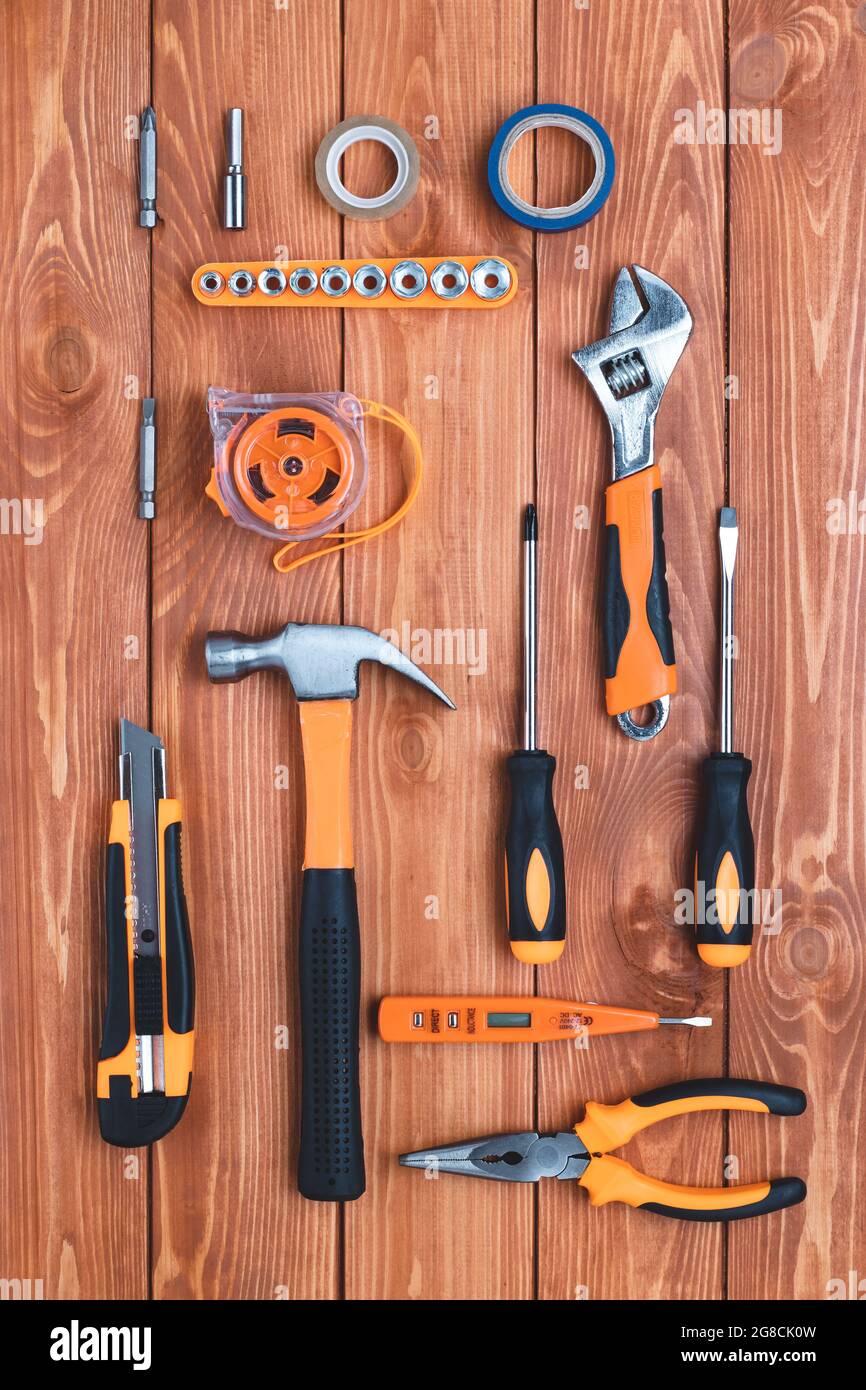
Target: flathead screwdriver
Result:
[[725, 847], [534, 863]]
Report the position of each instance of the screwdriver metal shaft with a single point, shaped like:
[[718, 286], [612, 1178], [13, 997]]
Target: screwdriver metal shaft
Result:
[[728, 537], [699, 1022], [530, 629]]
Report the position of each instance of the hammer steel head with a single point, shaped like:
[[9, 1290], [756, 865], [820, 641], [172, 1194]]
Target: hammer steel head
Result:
[[320, 659], [650, 325]]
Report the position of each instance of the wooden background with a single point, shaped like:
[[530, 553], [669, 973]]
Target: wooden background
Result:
[[96, 312]]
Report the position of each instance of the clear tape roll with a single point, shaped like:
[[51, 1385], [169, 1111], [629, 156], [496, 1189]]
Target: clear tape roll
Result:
[[383, 132]]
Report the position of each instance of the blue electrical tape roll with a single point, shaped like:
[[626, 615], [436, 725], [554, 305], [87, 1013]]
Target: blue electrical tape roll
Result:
[[567, 118]]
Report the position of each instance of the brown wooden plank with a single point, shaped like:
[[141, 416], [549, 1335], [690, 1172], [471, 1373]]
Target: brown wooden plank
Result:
[[430, 783], [798, 316], [627, 832], [75, 330], [229, 1222]]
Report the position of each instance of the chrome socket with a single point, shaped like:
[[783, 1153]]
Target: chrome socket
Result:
[[242, 283], [408, 279], [211, 283], [336, 281], [303, 281], [272, 281], [370, 281], [490, 279], [449, 279]]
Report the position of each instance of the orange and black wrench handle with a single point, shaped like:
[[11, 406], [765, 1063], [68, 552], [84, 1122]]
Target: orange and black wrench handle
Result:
[[457, 1018], [127, 1118], [331, 1155], [608, 1179], [725, 863], [638, 641]]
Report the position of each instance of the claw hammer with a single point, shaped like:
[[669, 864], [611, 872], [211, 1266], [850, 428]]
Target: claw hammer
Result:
[[321, 661]]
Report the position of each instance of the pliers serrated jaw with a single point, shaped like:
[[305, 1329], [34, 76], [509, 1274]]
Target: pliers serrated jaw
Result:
[[524, 1157]]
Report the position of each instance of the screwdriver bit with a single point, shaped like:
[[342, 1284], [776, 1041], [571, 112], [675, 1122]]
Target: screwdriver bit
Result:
[[147, 168]]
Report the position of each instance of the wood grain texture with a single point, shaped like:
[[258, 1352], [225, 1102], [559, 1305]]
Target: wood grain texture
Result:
[[766, 251], [75, 331], [627, 830], [798, 326], [229, 1222], [430, 781]]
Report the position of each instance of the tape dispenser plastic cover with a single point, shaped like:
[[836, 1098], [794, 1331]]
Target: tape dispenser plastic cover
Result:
[[291, 467]]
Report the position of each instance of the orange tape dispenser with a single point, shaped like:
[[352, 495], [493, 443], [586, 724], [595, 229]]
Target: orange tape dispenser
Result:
[[294, 468]]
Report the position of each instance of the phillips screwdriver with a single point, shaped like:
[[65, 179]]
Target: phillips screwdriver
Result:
[[534, 864], [725, 848], [470, 1018]]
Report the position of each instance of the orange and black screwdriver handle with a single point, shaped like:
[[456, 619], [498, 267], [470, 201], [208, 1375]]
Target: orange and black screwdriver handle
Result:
[[725, 862], [534, 861], [609, 1179], [127, 1118]]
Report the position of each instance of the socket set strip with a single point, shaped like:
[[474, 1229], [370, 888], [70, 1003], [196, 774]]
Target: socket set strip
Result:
[[432, 282]]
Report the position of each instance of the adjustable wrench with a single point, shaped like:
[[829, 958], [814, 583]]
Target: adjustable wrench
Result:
[[629, 370]]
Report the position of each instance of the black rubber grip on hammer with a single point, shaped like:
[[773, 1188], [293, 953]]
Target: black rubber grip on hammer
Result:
[[331, 1157]]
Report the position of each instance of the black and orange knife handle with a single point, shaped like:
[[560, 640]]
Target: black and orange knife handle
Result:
[[725, 862], [534, 862], [638, 641], [331, 1158], [127, 1119]]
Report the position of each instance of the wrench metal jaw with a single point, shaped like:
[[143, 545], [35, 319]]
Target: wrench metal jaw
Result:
[[650, 325]]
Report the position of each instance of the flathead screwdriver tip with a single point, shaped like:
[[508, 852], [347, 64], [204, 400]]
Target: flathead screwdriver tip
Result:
[[530, 524], [692, 1022]]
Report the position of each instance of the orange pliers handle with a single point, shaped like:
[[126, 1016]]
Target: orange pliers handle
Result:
[[608, 1179]]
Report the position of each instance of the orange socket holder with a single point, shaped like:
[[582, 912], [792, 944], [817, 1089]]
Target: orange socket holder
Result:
[[272, 285]]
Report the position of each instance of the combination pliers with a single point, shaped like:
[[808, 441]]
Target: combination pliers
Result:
[[584, 1152]]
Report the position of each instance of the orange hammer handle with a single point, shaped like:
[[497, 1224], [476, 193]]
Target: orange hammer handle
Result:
[[326, 732]]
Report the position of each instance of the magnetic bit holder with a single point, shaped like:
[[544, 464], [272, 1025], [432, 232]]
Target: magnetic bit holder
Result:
[[586, 128], [235, 187]]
